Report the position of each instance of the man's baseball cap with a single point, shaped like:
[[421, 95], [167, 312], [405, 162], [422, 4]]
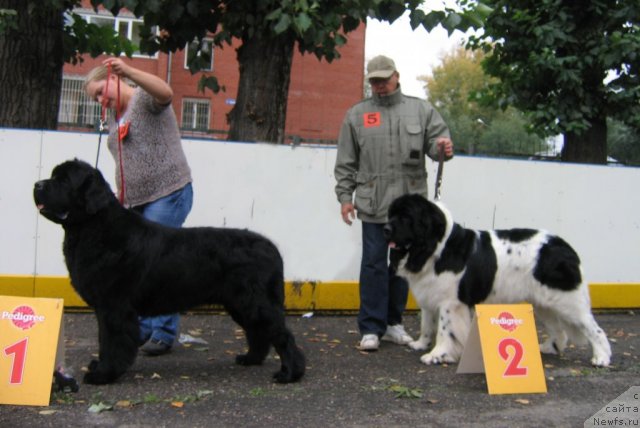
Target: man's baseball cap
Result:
[[380, 67]]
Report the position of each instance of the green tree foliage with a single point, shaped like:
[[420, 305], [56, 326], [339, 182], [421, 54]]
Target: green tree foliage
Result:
[[624, 143], [269, 31], [570, 64], [477, 128]]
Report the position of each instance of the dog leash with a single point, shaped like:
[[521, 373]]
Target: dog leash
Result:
[[103, 116], [439, 173], [101, 128]]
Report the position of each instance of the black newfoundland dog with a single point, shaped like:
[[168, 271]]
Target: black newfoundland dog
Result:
[[124, 266], [450, 269]]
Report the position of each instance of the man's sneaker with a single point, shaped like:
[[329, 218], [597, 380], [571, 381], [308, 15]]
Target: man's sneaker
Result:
[[369, 342], [154, 347], [397, 334]]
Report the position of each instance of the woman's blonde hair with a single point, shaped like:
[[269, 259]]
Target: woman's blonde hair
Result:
[[96, 74]]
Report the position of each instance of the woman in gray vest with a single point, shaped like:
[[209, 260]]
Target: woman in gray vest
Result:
[[157, 178]]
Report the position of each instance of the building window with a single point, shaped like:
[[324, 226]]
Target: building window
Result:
[[128, 28], [76, 108], [195, 114], [204, 55]]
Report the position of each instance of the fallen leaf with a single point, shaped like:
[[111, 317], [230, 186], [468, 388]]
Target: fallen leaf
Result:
[[178, 404], [203, 393], [156, 376], [432, 401], [47, 412], [522, 401], [99, 408], [123, 403]]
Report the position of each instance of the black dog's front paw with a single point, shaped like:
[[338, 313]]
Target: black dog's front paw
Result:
[[248, 360], [93, 365], [286, 376], [98, 376]]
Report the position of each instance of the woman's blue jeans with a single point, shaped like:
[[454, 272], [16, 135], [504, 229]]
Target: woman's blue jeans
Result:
[[170, 210]]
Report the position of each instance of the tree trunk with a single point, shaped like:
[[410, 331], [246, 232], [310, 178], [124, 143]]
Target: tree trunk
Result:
[[261, 104], [589, 147], [31, 71]]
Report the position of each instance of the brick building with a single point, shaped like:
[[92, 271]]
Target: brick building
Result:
[[319, 93]]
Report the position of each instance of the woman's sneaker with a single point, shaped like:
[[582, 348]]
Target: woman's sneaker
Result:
[[154, 348]]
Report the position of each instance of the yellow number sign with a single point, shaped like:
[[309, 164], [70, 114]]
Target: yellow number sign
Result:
[[29, 330], [509, 354]]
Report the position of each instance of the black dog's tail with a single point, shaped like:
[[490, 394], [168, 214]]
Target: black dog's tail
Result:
[[293, 362]]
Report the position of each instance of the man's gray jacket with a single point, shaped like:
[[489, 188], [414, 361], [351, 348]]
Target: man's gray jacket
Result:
[[381, 152]]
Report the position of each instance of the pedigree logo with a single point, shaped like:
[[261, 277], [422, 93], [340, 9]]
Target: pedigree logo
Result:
[[506, 321], [23, 317]]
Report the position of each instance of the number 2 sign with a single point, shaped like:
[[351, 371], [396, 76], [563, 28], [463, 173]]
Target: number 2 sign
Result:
[[29, 329], [505, 339]]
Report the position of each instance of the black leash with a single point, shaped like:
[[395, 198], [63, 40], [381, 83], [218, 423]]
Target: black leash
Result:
[[100, 129], [439, 174]]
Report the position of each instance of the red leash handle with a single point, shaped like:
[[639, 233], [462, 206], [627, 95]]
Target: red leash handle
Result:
[[118, 134], [120, 160], [103, 112]]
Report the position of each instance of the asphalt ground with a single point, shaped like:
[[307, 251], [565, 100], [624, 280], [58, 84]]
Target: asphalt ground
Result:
[[199, 385]]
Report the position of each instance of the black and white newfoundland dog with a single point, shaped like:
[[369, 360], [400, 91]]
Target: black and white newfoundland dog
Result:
[[124, 266], [450, 269]]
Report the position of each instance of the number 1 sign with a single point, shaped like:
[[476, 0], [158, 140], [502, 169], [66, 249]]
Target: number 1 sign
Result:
[[29, 329], [509, 354]]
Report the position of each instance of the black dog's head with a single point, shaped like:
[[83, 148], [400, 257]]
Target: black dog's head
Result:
[[75, 191], [415, 226]]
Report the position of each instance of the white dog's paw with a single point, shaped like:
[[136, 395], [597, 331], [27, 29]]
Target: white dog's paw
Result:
[[601, 360], [419, 345], [437, 358], [548, 347]]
